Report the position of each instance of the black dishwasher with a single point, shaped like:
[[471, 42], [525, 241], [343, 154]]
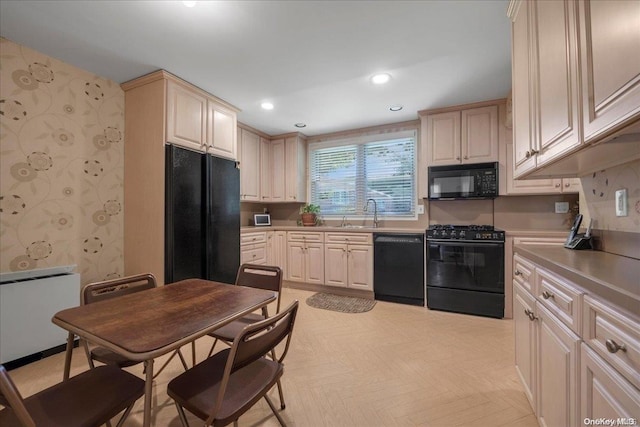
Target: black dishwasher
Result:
[[398, 268]]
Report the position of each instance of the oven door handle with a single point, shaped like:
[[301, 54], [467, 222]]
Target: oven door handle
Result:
[[481, 243]]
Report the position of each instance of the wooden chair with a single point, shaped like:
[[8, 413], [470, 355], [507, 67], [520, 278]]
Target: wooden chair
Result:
[[223, 387], [100, 291], [89, 399]]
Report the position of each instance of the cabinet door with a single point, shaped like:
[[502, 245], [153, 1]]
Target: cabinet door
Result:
[[604, 393], [571, 185], [360, 267], [525, 342], [529, 186], [443, 139], [295, 261], [521, 80], [295, 170], [558, 355], [280, 251], [335, 264], [270, 248], [479, 134], [266, 172], [221, 131], [557, 99], [250, 166], [186, 117], [610, 42], [314, 263], [278, 166]]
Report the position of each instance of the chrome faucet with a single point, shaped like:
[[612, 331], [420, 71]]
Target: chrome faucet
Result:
[[375, 211]]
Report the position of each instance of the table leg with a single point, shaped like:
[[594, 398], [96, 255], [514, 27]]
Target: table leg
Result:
[[67, 357], [193, 353], [148, 388]]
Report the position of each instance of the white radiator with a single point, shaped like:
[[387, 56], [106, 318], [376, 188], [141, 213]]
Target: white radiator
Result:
[[26, 309]]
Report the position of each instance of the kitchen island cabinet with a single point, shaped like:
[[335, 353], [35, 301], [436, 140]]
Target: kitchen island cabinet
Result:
[[577, 333]]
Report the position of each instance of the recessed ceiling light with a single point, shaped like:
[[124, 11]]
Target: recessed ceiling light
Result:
[[300, 125], [189, 3], [267, 105], [380, 79], [395, 108]]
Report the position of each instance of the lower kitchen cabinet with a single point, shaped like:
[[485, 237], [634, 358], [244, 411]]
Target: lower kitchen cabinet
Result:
[[277, 249], [253, 248], [604, 392], [349, 260], [577, 356], [558, 354], [305, 257]]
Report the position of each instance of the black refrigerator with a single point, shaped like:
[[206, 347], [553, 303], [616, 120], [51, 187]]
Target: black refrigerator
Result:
[[202, 216]]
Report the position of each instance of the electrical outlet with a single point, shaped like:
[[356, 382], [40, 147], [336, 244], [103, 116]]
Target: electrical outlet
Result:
[[621, 202], [420, 209], [562, 207]]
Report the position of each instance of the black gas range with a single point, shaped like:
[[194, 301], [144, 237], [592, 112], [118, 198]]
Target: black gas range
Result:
[[465, 269]]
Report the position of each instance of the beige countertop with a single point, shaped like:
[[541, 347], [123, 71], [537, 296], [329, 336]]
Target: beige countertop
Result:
[[611, 277]]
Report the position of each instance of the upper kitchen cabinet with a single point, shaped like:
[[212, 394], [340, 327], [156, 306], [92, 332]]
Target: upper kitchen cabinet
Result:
[[199, 121], [249, 143], [576, 83], [609, 46], [186, 117], [221, 131], [460, 136], [295, 169]]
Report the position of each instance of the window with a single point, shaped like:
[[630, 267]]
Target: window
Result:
[[345, 174]]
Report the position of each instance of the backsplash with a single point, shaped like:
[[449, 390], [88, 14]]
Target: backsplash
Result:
[[599, 198], [61, 165]]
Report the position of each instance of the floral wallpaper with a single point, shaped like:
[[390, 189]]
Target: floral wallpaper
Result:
[[600, 194], [61, 166]]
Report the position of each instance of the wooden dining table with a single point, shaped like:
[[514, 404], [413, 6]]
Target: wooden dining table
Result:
[[144, 325]]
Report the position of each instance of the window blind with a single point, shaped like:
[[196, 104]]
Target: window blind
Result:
[[344, 176]]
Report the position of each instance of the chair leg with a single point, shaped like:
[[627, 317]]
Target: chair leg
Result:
[[85, 345], [123, 417], [184, 363], [275, 412], [280, 393], [181, 415], [212, 347]]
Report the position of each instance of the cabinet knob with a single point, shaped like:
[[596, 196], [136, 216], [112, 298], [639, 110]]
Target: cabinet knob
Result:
[[547, 295], [613, 346], [527, 154], [557, 185], [567, 185], [530, 314], [517, 273], [534, 151], [466, 157], [458, 158]]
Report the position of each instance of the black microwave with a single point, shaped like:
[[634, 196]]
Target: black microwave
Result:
[[455, 182]]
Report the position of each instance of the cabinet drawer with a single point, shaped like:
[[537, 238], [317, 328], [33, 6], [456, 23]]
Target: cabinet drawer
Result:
[[358, 238], [561, 297], [297, 236], [614, 335], [523, 273], [254, 254], [249, 238]]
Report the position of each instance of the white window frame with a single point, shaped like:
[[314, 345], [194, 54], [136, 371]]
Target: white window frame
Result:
[[361, 140]]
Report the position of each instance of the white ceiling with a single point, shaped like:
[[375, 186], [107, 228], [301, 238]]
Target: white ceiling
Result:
[[311, 59]]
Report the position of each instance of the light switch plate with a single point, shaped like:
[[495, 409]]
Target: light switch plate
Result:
[[420, 209], [562, 207], [621, 202]]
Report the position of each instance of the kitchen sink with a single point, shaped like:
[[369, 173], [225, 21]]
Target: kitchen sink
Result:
[[357, 226]]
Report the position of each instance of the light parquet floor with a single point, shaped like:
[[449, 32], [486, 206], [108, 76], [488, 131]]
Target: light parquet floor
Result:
[[396, 365]]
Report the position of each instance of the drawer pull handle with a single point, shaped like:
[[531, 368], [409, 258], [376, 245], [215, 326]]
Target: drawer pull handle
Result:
[[547, 295], [530, 314], [613, 346], [517, 273]]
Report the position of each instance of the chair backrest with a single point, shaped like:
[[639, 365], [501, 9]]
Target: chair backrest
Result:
[[10, 397], [255, 341], [100, 291], [262, 277]]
